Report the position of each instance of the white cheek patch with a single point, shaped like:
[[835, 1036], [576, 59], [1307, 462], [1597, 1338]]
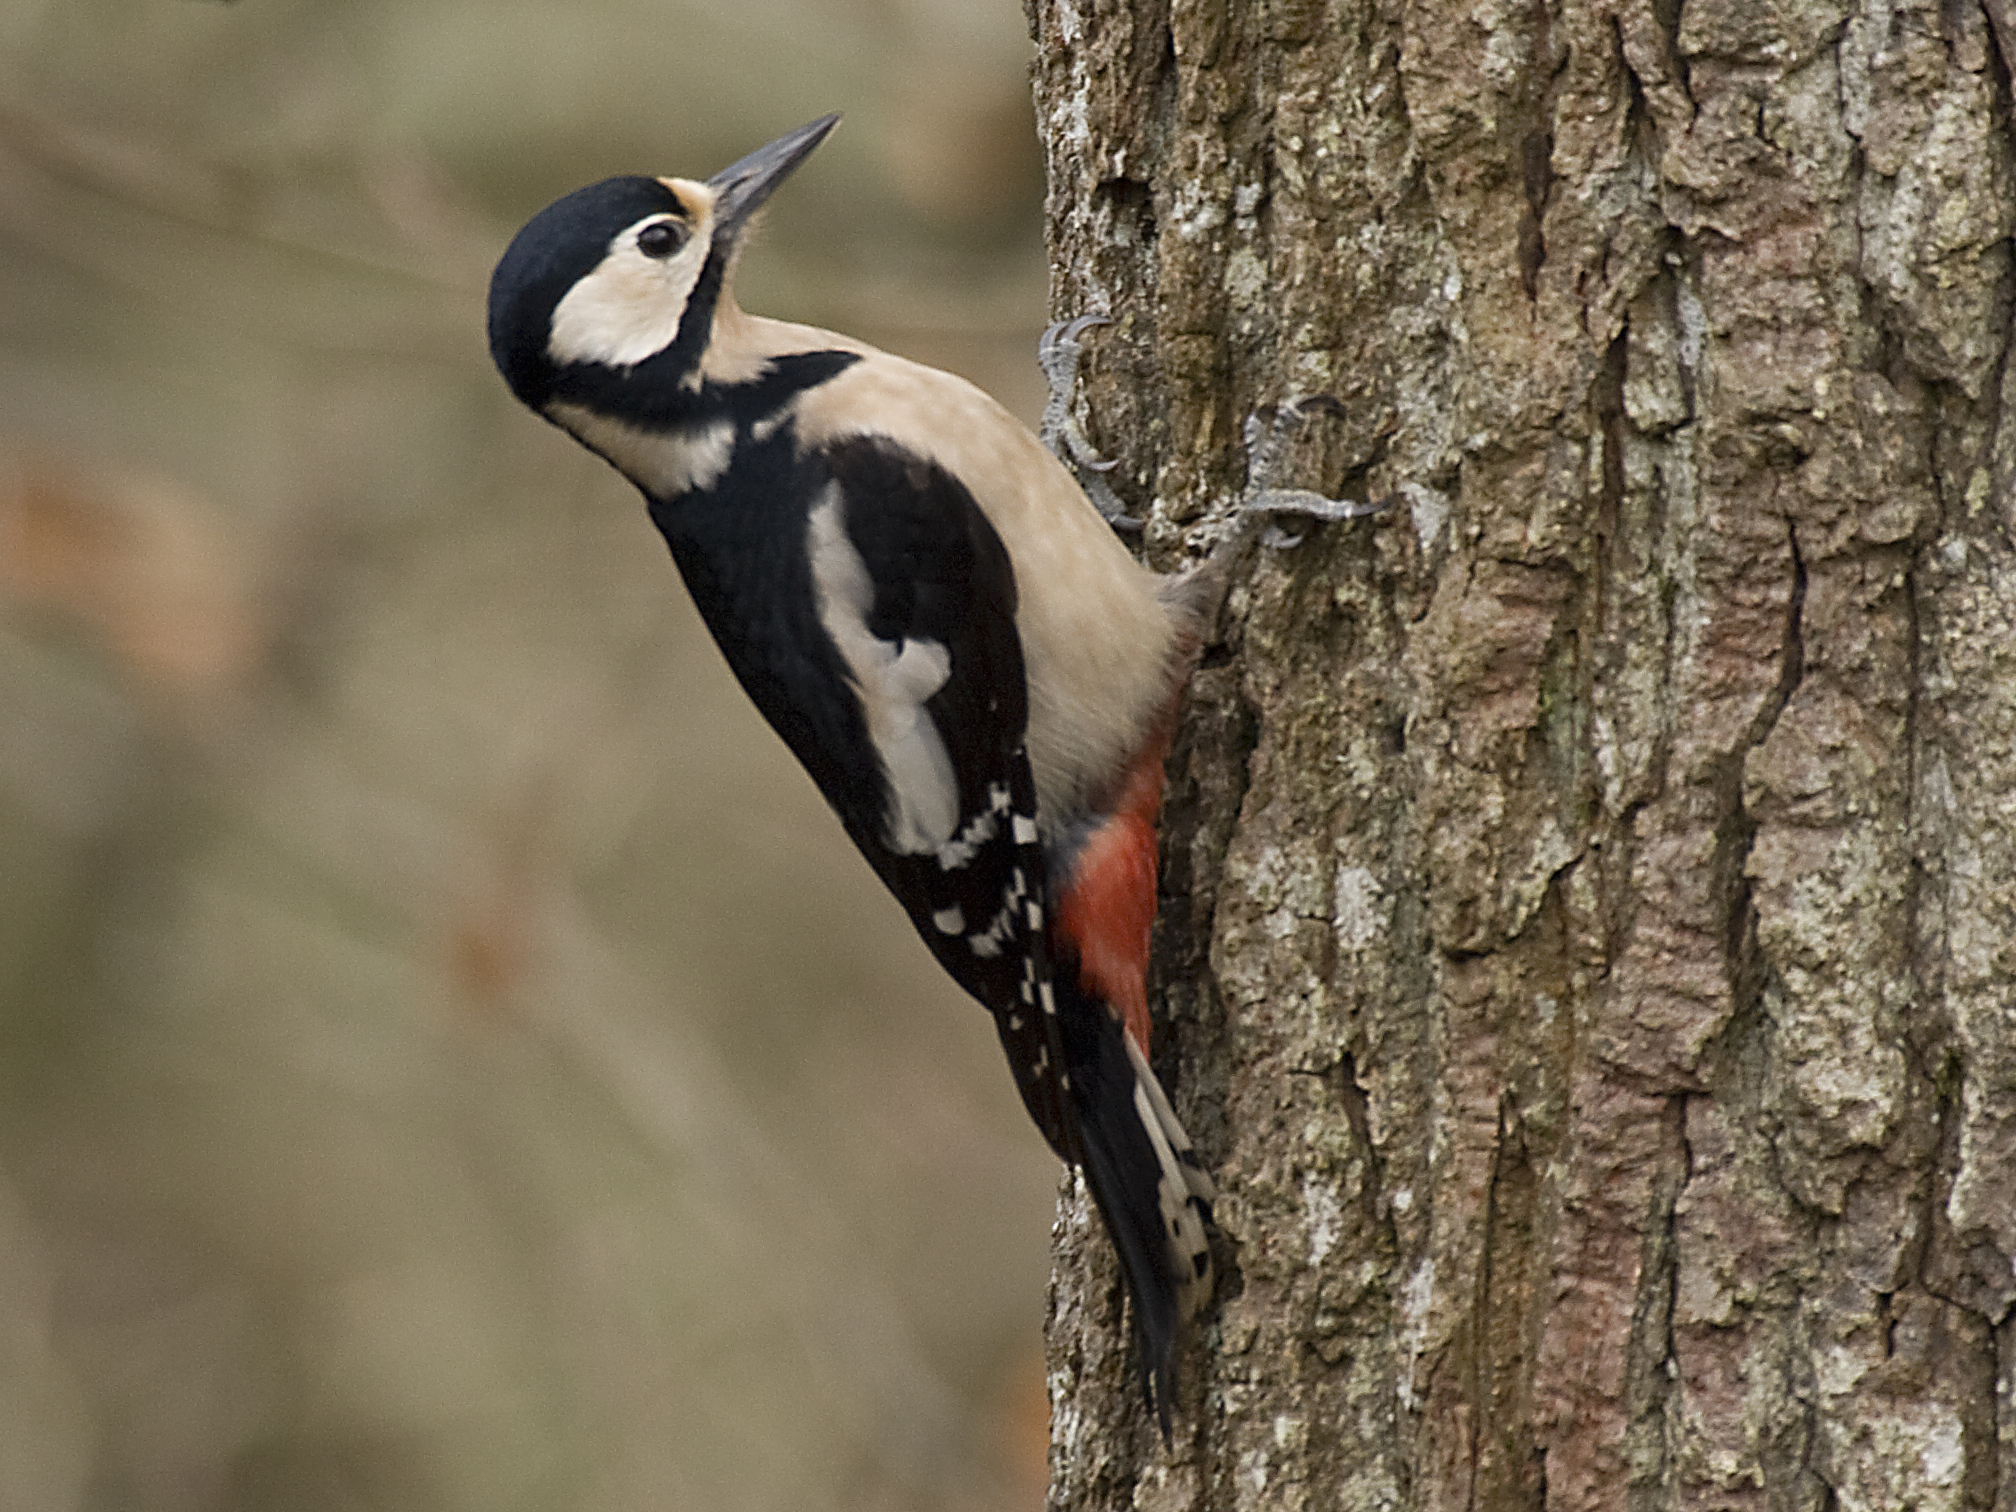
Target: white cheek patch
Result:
[[665, 464], [895, 680], [629, 308]]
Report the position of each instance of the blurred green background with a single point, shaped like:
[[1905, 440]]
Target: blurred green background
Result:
[[451, 1058]]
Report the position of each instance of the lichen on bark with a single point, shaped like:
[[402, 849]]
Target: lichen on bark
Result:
[[1587, 937]]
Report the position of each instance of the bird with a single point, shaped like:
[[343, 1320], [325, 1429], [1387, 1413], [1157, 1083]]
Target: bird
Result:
[[917, 595]]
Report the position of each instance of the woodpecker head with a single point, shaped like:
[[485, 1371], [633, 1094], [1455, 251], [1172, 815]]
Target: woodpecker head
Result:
[[620, 280]]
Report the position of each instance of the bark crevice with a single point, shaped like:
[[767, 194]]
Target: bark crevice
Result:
[[1736, 831]]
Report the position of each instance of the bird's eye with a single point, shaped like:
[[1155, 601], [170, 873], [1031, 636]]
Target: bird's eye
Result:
[[660, 239]]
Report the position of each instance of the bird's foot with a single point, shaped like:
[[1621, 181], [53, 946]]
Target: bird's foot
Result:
[[1058, 353], [1269, 437], [1275, 502]]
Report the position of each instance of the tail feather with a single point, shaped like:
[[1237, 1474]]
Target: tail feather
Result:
[[1144, 1175], [1201, 1187]]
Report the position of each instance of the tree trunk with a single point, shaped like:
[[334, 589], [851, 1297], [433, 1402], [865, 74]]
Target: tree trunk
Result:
[[1590, 888]]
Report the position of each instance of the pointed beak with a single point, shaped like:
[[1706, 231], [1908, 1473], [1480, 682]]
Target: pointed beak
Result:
[[741, 188]]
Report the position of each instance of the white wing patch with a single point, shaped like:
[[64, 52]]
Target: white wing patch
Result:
[[895, 680], [629, 308]]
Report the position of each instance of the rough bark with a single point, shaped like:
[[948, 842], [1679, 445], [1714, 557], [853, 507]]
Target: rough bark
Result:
[[1587, 943]]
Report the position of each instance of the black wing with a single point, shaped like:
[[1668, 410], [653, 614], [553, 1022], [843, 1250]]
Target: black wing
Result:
[[941, 576]]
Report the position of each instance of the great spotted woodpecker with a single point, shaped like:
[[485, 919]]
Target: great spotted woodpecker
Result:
[[921, 601]]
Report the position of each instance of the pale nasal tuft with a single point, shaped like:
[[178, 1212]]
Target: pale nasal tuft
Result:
[[696, 197]]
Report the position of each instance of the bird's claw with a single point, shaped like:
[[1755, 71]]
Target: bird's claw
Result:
[[1314, 506], [1274, 502], [1058, 352], [1267, 434], [1066, 331], [1269, 431]]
